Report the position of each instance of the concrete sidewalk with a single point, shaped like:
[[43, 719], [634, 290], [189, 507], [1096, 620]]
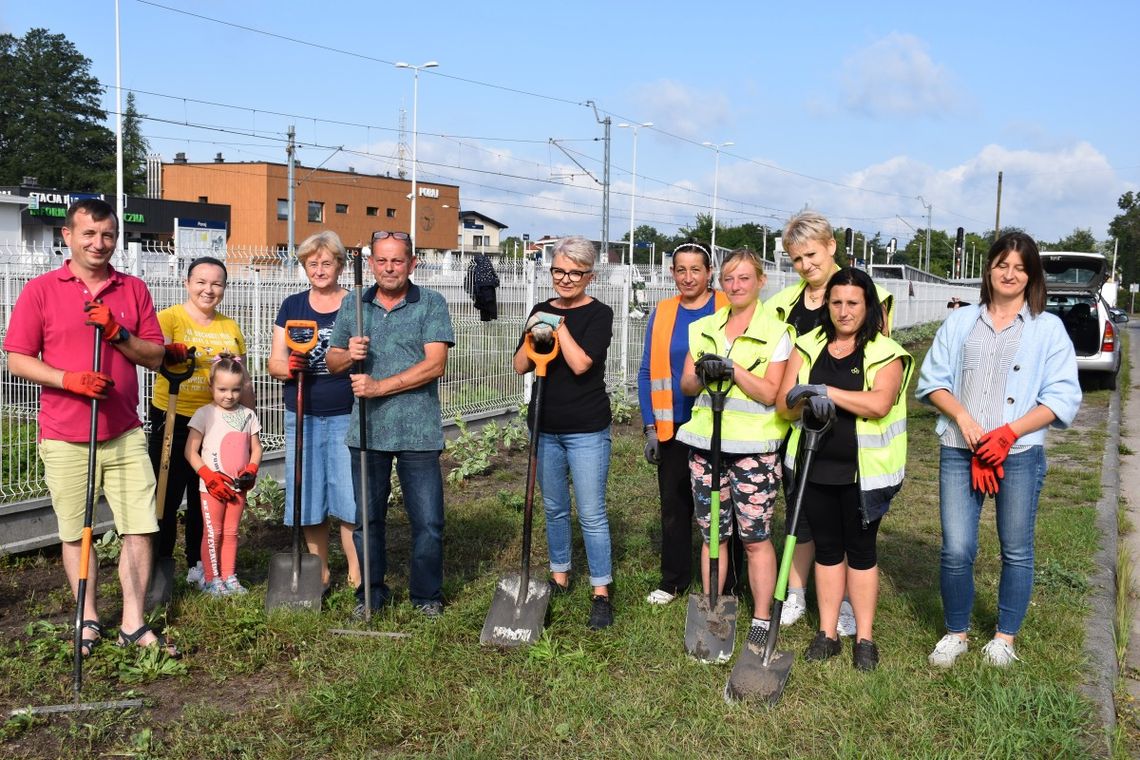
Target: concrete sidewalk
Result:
[[1130, 489]]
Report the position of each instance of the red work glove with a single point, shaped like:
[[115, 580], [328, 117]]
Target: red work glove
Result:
[[99, 315], [246, 477], [298, 362], [994, 446], [87, 383], [984, 477], [176, 353], [218, 484]]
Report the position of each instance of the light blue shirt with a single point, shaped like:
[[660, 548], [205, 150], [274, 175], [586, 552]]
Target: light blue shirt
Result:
[[1044, 370]]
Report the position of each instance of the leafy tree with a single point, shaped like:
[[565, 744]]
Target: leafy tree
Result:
[[135, 148], [1078, 240], [1125, 229], [51, 124], [512, 246]]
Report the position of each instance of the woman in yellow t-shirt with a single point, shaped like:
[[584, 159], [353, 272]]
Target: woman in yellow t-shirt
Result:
[[195, 323]]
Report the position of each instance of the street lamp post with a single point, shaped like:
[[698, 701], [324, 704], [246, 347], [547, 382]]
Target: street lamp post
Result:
[[415, 134], [716, 182], [633, 175], [929, 218]]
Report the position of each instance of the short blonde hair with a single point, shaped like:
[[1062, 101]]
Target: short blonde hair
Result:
[[578, 249], [805, 226], [743, 256], [322, 241]]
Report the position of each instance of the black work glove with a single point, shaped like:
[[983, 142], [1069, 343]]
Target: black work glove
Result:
[[822, 408], [652, 447], [802, 391], [712, 368]]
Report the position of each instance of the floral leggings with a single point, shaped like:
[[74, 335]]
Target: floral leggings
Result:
[[748, 487]]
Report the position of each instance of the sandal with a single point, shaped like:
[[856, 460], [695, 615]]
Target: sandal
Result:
[[129, 639], [87, 644]]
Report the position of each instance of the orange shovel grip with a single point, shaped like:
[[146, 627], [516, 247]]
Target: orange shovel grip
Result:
[[306, 346], [540, 360]]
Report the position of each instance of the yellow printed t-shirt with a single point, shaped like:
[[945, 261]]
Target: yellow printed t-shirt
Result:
[[222, 335]]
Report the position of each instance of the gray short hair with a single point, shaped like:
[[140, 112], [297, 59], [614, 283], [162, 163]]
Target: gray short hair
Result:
[[578, 249], [805, 226], [318, 241]]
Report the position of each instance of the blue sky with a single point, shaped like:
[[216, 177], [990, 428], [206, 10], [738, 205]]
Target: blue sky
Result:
[[852, 109]]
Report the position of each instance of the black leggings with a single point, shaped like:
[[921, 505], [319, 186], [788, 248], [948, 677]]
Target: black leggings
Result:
[[837, 524], [181, 482]]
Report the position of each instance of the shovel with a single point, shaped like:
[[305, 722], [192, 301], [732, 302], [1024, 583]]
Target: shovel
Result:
[[761, 674], [710, 622], [518, 608], [84, 559], [162, 575], [295, 578]]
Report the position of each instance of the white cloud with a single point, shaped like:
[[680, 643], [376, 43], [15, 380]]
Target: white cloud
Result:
[[895, 76], [682, 110]]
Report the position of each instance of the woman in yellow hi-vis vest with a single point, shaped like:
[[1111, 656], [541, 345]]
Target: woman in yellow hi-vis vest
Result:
[[848, 368], [809, 240], [664, 409], [742, 344]]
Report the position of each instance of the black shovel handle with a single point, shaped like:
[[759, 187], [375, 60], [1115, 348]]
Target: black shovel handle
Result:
[[717, 397], [176, 378], [541, 362], [814, 429], [88, 519], [362, 405]]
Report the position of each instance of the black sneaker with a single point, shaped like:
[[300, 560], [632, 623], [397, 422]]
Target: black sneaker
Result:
[[758, 636], [865, 655], [601, 613], [822, 648], [557, 589]]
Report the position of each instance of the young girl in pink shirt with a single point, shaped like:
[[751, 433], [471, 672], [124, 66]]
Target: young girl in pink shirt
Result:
[[224, 446]]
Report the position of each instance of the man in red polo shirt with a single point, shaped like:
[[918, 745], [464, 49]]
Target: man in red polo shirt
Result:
[[49, 342]]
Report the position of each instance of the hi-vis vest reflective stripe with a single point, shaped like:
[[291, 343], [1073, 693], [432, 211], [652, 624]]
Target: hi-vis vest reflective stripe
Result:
[[882, 443], [660, 369], [781, 304], [747, 426]]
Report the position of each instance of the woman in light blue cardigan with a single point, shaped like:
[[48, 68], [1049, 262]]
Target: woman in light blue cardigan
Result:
[[999, 373]]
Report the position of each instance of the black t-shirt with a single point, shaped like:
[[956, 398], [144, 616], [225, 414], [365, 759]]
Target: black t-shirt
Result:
[[802, 319], [835, 462], [577, 403]]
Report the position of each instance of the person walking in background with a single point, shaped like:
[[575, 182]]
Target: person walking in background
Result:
[[847, 370], [664, 408], [742, 344], [480, 284], [574, 433], [999, 374], [809, 240], [49, 342], [402, 355], [198, 323], [224, 449], [328, 405]]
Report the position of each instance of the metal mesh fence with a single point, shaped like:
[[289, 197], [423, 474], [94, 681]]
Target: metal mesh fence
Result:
[[480, 380]]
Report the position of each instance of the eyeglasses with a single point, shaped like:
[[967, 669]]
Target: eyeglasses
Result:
[[382, 234], [573, 275]]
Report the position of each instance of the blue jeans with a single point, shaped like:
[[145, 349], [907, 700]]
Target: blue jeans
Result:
[[586, 458], [422, 484], [961, 509]]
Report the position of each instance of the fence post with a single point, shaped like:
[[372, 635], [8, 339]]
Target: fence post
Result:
[[531, 275], [625, 293], [257, 347]]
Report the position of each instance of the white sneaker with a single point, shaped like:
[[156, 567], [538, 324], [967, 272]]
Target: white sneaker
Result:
[[794, 609], [196, 576], [660, 596], [999, 653], [947, 650], [846, 624]]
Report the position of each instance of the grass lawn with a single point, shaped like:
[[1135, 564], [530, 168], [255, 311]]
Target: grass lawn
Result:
[[284, 687]]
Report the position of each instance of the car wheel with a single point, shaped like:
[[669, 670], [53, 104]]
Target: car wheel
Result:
[[1108, 382]]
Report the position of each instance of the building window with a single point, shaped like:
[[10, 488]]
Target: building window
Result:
[[371, 211], [391, 213], [316, 211], [342, 208], [203, 199], [282, 208]]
